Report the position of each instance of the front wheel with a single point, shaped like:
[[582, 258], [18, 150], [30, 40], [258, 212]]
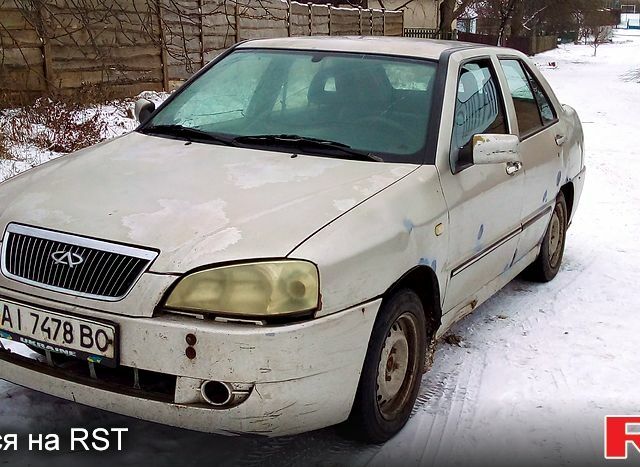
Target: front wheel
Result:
[[547, 264], [392, 369]]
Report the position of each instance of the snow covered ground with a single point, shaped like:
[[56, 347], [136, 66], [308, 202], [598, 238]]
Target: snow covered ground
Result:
[[117, 117], [538, 367]]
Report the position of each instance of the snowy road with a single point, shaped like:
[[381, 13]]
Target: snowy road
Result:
[[539, 366]]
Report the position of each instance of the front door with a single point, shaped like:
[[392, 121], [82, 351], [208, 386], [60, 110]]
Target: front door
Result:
[[484, 201]]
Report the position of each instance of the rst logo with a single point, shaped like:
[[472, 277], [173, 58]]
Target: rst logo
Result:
[[620, 433]]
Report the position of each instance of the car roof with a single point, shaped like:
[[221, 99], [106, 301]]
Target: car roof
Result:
[[400, 46]]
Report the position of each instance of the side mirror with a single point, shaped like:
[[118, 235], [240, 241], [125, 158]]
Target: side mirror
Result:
[[496, 149], [143, 110]]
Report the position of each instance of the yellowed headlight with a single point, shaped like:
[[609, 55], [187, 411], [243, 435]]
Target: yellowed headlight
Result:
[[251, 289]]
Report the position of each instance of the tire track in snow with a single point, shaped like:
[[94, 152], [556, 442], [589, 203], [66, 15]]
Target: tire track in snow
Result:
[[326, 447], [438, 416], [445, 407]]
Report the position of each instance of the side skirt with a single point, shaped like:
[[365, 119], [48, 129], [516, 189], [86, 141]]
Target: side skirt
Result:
[[486, 292]]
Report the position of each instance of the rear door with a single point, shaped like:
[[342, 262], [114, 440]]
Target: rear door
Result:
[[541, 139]]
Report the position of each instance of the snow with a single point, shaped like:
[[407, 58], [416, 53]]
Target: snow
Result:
[[537, 367], [117, 114]]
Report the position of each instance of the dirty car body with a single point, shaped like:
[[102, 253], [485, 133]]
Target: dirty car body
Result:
[[225, 266]]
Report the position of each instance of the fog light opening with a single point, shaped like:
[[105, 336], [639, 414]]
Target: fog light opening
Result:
[[216, 393]]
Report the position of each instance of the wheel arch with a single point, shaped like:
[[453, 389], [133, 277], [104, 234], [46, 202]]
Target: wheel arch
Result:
[[569, 193], [424, 282]]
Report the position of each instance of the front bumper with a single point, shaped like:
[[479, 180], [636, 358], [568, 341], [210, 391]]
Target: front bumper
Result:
[[303, 376]]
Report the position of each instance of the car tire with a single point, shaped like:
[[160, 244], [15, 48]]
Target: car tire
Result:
[[547, 264], [392, 370]]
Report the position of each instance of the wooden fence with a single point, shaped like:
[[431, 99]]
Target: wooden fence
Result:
[[527, 45], [134, 45], [430, 33]]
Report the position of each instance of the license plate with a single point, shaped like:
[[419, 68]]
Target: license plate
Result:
[[94, 341]]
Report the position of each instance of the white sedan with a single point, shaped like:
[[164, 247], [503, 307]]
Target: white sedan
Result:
[[278, 246]]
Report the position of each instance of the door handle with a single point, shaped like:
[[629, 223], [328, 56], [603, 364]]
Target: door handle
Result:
[[560, 139], [513, 168]]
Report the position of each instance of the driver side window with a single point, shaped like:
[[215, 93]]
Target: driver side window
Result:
[[479, 109]]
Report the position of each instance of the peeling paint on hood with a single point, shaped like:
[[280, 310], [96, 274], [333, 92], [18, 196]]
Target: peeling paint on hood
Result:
[[197, 203]]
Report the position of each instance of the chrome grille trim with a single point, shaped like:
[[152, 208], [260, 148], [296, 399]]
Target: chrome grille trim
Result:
[[108, 270]]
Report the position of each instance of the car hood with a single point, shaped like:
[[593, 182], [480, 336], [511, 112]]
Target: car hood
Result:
[[197, 203]]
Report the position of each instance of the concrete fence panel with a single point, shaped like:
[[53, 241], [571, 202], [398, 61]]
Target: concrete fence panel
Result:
[[133, 45]]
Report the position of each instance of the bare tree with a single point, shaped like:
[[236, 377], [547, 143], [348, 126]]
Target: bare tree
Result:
[[529, 15], [164, 23], [599, 35], [505, 13], [597, 26], [503, 10], [450, 10], [589, 18]]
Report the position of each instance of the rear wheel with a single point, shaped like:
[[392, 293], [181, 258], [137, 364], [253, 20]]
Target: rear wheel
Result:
[[392, 370], [547, 264]]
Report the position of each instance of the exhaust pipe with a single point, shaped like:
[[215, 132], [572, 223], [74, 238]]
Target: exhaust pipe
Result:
[[217, 393]]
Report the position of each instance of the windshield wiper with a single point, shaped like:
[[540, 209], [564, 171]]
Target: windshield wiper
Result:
[[331, 148], [185, 132]]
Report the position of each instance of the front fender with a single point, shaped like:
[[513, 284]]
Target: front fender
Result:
[[363, 253]]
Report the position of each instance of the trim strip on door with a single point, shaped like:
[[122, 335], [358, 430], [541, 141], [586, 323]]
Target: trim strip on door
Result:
[[497, 244], [536, 217], [478, 256]]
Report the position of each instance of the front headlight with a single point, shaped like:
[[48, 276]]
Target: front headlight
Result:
[[260, 289]]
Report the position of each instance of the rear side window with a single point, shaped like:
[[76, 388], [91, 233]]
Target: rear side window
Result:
[[546, 109], [533, 109], [479, 109]]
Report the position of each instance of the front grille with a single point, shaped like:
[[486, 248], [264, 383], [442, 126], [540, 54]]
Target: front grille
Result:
[[71, 264]]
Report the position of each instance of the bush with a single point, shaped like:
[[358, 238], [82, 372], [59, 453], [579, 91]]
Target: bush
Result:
[[56, 124], [4, 150], [34, 131]]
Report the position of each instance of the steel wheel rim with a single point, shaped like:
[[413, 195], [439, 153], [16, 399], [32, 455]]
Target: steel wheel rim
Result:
[[397, 368], [556, 234]]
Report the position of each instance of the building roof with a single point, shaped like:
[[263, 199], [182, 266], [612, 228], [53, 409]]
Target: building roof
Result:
[[402, 46]]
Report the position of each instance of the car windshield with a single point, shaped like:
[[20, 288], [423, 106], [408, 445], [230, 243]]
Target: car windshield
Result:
[[326, 103]]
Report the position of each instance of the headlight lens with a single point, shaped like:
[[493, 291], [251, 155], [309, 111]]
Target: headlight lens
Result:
[[251, 289]]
